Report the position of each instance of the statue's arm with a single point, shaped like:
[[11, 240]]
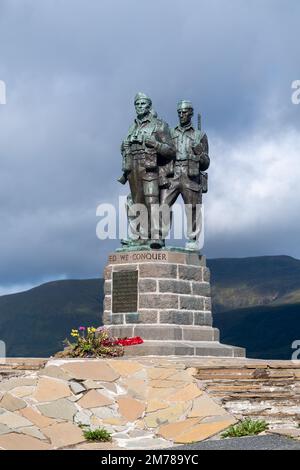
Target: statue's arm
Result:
[[201, 148], [166, 147], [204, 157]]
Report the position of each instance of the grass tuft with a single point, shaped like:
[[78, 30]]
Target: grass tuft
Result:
[[248, 427], [100, 435]]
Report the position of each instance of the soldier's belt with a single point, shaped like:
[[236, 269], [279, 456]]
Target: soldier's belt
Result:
[[181, 163], [138, 156], [137, 147]]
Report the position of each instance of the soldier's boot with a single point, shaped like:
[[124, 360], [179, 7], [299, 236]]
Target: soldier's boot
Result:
[[156, 244], [192, 245], [135, 235]]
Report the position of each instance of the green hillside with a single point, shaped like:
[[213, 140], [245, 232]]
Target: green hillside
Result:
[[35, 322], [248, 282], [266, 332]]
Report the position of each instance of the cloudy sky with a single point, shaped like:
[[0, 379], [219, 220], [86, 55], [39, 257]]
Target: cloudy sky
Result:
[[71, 69]]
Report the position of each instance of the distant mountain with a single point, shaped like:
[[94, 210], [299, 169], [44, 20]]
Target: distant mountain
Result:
[[256, 303], [248, 282], [34, 323]]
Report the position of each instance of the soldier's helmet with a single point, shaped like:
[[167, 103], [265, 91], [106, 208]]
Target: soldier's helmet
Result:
[[142, 96], [184, 104]]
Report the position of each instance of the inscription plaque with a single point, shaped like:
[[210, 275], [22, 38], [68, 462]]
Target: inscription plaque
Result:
[[125, 292]]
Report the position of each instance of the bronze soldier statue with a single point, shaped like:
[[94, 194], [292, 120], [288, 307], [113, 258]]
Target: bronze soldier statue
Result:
[[147, 146], [188, 178]]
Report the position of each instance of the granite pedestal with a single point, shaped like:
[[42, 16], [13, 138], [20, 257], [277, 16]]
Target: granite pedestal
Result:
[[164, 297]]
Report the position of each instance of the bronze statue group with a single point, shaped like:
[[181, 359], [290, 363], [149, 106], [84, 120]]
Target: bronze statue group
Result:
[[160, 164]]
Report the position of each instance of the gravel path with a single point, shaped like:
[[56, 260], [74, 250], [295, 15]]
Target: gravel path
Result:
[[269, 442]]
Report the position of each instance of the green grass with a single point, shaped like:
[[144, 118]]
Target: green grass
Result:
[[99, 435], [248, 427]]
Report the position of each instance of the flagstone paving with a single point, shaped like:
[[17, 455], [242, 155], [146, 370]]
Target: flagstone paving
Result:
[[145, 403]]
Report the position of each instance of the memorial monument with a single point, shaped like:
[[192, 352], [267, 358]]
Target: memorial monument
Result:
[[160, 292]]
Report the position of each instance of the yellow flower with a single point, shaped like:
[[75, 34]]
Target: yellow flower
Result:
[[91, 329]]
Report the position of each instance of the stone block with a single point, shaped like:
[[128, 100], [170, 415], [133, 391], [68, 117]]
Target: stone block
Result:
[[122, 331], [207, 304], [144, 316], [216, 349], [124, 267], [147, 285], [107, 273], [158, 270], [160, 348], [106, 317], [107, 302], [238, 352], [158, 332], [190, 273], [191, 302], [201, 288], [107, 287], [158, 301], [117, 319], [178, 317], [194, 259], [203, 318], [199, 333], [206, 274], [174, 286], [132, 317]]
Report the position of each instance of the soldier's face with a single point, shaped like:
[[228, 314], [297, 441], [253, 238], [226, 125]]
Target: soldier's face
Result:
[[185, 115], [142, 108]]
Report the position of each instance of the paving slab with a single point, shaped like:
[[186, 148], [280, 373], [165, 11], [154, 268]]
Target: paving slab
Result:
[[15, 441]]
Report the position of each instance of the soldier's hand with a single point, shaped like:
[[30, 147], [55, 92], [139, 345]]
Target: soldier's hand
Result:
[[151, 142], [197, 149]]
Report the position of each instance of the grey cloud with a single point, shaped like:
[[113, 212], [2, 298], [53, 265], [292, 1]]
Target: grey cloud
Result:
[[72, 69]]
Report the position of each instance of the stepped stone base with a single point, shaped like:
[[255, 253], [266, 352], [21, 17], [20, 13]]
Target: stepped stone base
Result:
[[184, 348], [164, 297]]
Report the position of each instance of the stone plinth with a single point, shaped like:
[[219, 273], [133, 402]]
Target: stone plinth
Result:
[[164, 297]]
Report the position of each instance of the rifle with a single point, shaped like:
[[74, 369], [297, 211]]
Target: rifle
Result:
[[199, 122], [203, 175]]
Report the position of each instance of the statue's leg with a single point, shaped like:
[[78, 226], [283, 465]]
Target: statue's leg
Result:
[[151, 192], [167, 199], [192, 203], [135, 178], [136, 199]]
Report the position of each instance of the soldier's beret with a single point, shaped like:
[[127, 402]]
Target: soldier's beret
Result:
[[184, 104], [142, 96]]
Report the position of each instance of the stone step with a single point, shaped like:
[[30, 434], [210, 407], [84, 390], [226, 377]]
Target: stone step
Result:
[[166, 332], [184, 348]]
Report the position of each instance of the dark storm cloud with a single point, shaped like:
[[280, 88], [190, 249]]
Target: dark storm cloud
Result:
[[72, 68]]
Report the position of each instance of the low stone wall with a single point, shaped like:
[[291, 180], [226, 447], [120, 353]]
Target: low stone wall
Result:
[[145, 403]]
